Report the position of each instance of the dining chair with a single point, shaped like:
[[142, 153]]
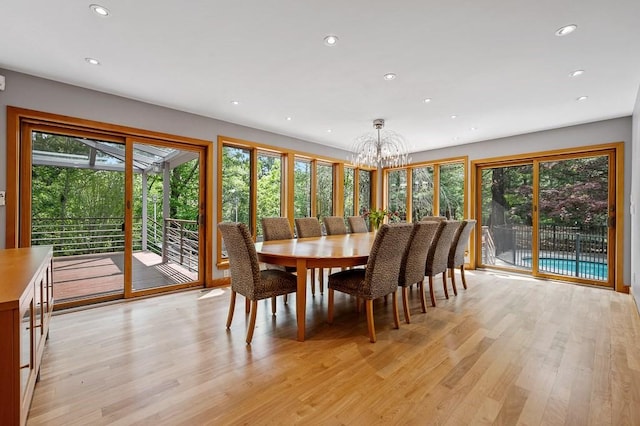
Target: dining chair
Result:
[[425, 218], [335, 225], [438, 256], [414, 260], [310, 227], [379, 278], [357, 224], [458, 247], [277, 228], [246, 276]]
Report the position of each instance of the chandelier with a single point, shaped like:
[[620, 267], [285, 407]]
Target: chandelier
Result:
[[382, 148]]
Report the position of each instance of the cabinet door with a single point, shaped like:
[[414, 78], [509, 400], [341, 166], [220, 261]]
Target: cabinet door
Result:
[[27, 342]]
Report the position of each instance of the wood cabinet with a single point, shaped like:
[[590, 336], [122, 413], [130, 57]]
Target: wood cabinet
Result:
[[26, 303]]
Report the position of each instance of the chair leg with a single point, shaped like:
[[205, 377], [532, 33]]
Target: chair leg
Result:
[[405, 304], [444, 284], [330, 307], [370, 326], [232, 307], [423, 302], [396, 317], [431, 293], [452, 271], [313, 281], [273, 305], [247, 305], [286, 298], [321, 280], [252, 322], [464, 281]]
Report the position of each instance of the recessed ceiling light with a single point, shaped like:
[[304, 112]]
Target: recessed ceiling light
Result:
[[427, 100], [474, 129], [328, 130], [389, 76], [576, 73], [567, 29], [454, 116], [235, 102], [99, 10], [330, 40], [289, 118], [582, 98], [92, 61]]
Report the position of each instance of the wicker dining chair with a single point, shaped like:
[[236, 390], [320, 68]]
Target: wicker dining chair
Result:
[[335, 225], [358, 224], [310, 227], [438, 256], [277, 228], [246, 276], [426, 218], [414, 260], [379, 278], [458, 247]]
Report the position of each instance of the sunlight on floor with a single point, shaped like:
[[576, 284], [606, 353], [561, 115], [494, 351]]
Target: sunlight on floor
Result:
[[213, 293]]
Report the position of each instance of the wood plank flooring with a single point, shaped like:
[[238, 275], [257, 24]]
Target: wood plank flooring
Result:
[[508, 351]]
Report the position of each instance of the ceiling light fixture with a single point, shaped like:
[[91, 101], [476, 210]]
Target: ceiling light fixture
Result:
[[582, 98], [328, 130], [99, 10], [576, 73], [330, 40], [92, 61], [289, 118], [389, 76], [235, 102], [427, 100], [453, 117], [567, 29], [382, 148]]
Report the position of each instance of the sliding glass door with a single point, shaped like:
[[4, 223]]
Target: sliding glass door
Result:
[[552, 216]]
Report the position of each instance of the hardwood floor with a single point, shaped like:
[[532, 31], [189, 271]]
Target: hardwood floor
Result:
[[509, 350]]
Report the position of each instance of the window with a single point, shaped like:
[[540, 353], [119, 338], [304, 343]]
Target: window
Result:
[[324, 191], [302, 188], [397, 192], [349, 191], [364, 190], [422, 192], [236, 180], [269, 196], [451, 193]]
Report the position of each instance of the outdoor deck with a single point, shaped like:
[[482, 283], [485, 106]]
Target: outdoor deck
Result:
[[99, 274]]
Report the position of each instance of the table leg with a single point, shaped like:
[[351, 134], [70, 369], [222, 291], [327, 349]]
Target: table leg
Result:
[[301, 297]]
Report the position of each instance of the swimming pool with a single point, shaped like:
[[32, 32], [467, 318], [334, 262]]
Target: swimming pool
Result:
[[586, 269]]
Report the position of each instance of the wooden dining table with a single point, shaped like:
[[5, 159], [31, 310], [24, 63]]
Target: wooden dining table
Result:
[[331, 251]]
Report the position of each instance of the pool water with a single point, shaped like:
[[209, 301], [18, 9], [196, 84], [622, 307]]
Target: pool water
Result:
[[586, 269]]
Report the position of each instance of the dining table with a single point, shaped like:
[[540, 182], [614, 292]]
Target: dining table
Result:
[[330, 251]]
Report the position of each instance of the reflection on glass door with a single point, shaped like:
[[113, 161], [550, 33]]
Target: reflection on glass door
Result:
[[77, 206], [573, 220], [506, 200], [167, 207]]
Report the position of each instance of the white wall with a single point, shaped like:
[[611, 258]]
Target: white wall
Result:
[[615, 130], [635, 206]]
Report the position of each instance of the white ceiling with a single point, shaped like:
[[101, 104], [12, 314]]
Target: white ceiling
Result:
[[497, 65]]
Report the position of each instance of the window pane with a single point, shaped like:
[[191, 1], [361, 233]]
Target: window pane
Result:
[[422, 194], [364, 190], [324, 196], [348, 191], [269, 200], [302, 189], [397, 195], [451, 199], [236, 174]]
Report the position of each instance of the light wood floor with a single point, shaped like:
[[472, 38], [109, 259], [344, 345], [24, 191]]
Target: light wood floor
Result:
[[509, 350]]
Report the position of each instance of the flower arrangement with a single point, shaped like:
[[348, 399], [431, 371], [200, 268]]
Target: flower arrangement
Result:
[[376, 217]]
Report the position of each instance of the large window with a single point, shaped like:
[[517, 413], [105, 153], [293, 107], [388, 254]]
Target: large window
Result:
[[324, 190], [349, 191], [427, 189], [302, 188], [422, 192], [256, 181], [397, 192]]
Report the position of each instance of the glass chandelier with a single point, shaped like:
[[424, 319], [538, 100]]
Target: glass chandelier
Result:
[[382, 148]]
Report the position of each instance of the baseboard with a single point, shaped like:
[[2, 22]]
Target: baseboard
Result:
[[219, 282]]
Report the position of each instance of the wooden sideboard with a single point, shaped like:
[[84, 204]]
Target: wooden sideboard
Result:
[[26, 303]]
